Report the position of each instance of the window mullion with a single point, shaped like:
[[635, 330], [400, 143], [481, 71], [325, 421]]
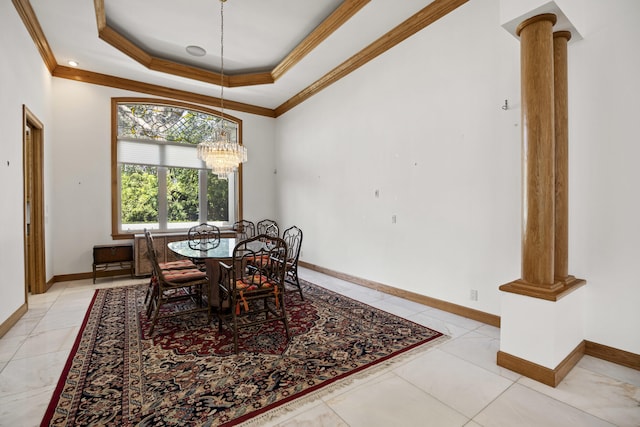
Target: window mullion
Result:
[[202, 195], [163, 209]]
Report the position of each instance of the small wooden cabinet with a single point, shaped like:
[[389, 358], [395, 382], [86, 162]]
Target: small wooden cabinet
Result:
[[109, 257]]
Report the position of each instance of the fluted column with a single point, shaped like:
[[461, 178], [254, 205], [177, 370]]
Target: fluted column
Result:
[[560, 41], [538, 151]]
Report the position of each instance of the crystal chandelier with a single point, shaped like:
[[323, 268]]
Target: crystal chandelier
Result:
[[221, 154]]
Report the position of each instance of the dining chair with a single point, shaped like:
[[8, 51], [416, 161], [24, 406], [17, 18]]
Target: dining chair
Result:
[[179, 264], [170, 286], [255, 295], [293, 238], [244, 229], [268, 227], [204, 236]]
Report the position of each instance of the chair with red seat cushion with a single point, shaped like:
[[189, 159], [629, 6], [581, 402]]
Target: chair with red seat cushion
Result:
[[255, 294], [171, 286], [170, 265]]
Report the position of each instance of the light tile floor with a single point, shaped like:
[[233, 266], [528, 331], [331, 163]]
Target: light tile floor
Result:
[[455, 383]]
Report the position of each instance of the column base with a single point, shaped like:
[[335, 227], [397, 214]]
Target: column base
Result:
[[539, 337], [560, 288], [542, 374]]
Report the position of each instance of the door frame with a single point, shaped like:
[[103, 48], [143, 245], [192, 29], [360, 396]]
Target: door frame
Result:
[[33, 182]]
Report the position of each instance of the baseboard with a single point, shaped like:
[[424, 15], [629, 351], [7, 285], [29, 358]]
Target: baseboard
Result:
[[589, 348], [614, 355], [89, 275], [548, 376], [13, 319], [470, 313]]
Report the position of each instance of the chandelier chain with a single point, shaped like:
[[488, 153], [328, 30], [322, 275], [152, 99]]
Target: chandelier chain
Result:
[[222, 60], [218, 150]]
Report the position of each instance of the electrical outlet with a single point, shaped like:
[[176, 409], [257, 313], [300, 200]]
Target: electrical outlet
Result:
[[474, 295], [393, 219]]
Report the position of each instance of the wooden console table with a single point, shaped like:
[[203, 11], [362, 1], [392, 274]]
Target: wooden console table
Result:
[[106, 257]]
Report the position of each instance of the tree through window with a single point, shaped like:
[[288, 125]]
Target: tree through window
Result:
[[161, 183]]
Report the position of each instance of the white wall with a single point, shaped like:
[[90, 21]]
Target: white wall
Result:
[[422, 124], [24, 80], [604, 109], [82, 175]]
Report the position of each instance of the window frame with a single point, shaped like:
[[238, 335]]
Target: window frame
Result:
[[116, 232]]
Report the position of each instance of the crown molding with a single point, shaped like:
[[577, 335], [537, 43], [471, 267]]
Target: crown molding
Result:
[[429, 14], [28, 16], [156, 90], [342, 14]]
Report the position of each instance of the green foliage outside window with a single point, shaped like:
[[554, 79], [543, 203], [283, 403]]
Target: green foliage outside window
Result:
[[139, 194], [217, 197], [182, 195]]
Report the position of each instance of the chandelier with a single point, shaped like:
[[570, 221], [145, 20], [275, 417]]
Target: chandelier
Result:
[[220, 154]]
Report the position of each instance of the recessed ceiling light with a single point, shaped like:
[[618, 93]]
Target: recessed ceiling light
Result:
[[196, 50], [73, 63]]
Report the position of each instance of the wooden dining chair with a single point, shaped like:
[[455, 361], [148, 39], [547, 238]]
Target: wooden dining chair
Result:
[[268, 227], [255, 295], [204, 236], [179, 264], [244, 229], [176, 286], [293, 238]]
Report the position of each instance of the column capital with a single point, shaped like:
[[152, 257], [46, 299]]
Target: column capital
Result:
[[562, 34], [544, 17]]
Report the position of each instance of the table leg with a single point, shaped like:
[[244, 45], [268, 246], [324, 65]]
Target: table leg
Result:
[[213, 272]]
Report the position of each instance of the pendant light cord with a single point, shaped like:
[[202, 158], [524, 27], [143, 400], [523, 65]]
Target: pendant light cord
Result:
[[222, 61]]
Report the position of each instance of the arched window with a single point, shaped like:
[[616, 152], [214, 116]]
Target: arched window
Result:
[[158, 181]]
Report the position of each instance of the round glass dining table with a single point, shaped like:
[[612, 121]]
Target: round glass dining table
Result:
[[224, 250], [212, 256]]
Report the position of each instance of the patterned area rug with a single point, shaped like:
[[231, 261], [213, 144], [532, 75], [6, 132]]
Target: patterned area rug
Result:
[[188, 375]]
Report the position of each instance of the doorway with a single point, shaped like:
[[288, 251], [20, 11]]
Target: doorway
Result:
[[33, 172]]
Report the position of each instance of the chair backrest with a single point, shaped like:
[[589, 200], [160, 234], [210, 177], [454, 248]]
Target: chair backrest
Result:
[[204, 236], [244, 229], [151, 253], [269, 251], [268, 227], [147, 238], [293, 238], [151, 250]]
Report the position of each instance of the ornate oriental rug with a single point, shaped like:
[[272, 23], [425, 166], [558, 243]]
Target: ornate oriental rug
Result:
[[188, 375]]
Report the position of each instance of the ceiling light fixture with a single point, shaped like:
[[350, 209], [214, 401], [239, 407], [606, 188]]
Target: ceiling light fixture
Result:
[[73, 63], [221, 154]]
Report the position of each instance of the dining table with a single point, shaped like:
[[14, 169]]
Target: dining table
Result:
[[211, 255]]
